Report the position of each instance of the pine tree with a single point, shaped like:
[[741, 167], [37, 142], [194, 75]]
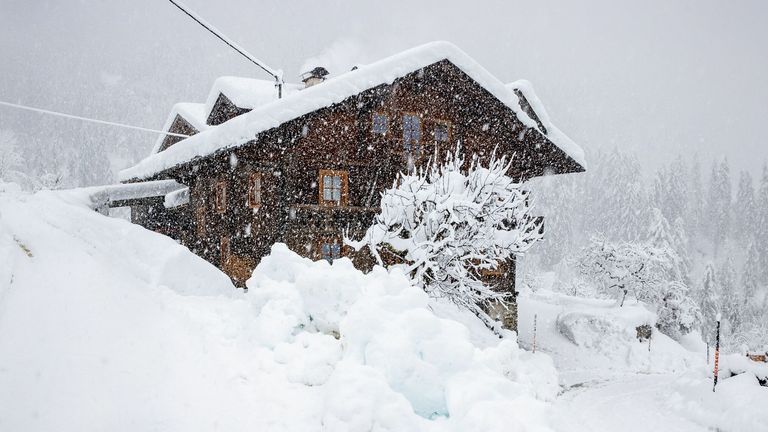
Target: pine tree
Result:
[[719, 204], [694, 217], [731, 298], [750, 285], [761, 227], [745, 209], [661, 236]]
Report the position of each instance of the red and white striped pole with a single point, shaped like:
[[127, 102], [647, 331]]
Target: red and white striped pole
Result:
[[717, 352]]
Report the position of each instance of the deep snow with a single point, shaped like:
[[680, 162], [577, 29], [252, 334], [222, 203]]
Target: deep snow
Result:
[[107, 326]]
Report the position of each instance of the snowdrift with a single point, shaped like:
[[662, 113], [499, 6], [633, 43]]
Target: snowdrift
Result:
[[594, 338], [739, 404], [106, 326]]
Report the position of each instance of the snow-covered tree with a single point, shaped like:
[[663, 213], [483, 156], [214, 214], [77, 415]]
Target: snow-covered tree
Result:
[[745, 209], [446, 225], [663, 237], [709, 302], [678, 313], [10, 156], [695, 209], [761, 226], [731, 297], [644, 271], [719, 203], [753, 298]]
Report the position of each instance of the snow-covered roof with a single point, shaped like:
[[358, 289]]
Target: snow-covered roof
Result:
[[194, 113], [97, 196], [551, 131], [245, 92], [176, 198], [244, 128]]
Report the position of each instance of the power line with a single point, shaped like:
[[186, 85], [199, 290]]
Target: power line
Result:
[[60, 114], [277, 75]]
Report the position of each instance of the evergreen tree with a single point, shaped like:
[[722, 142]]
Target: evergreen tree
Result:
[[661, 236], [745, 209], [694, 217], [719, 204], [761, 227], [752, 305], [731, 298]]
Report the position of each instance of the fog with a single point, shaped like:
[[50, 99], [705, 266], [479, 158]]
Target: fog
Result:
[[659, 78]]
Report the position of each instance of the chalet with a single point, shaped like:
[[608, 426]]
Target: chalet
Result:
[[259, 169]]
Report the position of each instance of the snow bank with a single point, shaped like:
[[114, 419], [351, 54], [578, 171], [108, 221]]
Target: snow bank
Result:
[[244, 128], [739, 404], [107, 326], [392, 339], [594, 339]]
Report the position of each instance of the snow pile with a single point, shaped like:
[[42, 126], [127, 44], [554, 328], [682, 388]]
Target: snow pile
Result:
[[409, 358], [739, 404], [594, 338], [107, 326]]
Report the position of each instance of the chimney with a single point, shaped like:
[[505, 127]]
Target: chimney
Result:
[[315, 76]]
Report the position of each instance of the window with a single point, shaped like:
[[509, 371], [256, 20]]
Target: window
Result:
[[254, 190], [380, 123], [441, 132], [330, 251], [411, 132], [221, 196], [333, 187], [224, 251]]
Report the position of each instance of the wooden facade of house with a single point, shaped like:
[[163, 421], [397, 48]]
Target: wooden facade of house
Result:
[[305, 181]]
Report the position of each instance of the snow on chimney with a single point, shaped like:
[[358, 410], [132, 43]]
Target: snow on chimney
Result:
[[315, 76]]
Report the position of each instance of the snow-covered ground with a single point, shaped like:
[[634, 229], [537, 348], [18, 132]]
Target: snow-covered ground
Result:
[[107, 326], [612, 381]]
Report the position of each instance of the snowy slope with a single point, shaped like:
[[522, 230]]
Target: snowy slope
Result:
[[610, 379], [106, 326]]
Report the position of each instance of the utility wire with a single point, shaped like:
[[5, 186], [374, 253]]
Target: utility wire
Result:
[[60, 114], [277, 75]]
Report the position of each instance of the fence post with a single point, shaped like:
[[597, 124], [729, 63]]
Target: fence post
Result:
[[717, 351]]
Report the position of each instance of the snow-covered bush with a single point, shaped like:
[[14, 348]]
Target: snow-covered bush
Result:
[[643, 270], [447, 224]]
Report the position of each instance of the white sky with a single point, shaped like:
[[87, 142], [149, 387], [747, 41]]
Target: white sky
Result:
[[658, 77]]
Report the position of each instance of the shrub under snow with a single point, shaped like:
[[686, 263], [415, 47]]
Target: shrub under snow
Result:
[[447, 224], [640, 269]]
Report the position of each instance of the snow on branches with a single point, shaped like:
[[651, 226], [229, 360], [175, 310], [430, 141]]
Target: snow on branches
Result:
[[643, 270], [446, 225]]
